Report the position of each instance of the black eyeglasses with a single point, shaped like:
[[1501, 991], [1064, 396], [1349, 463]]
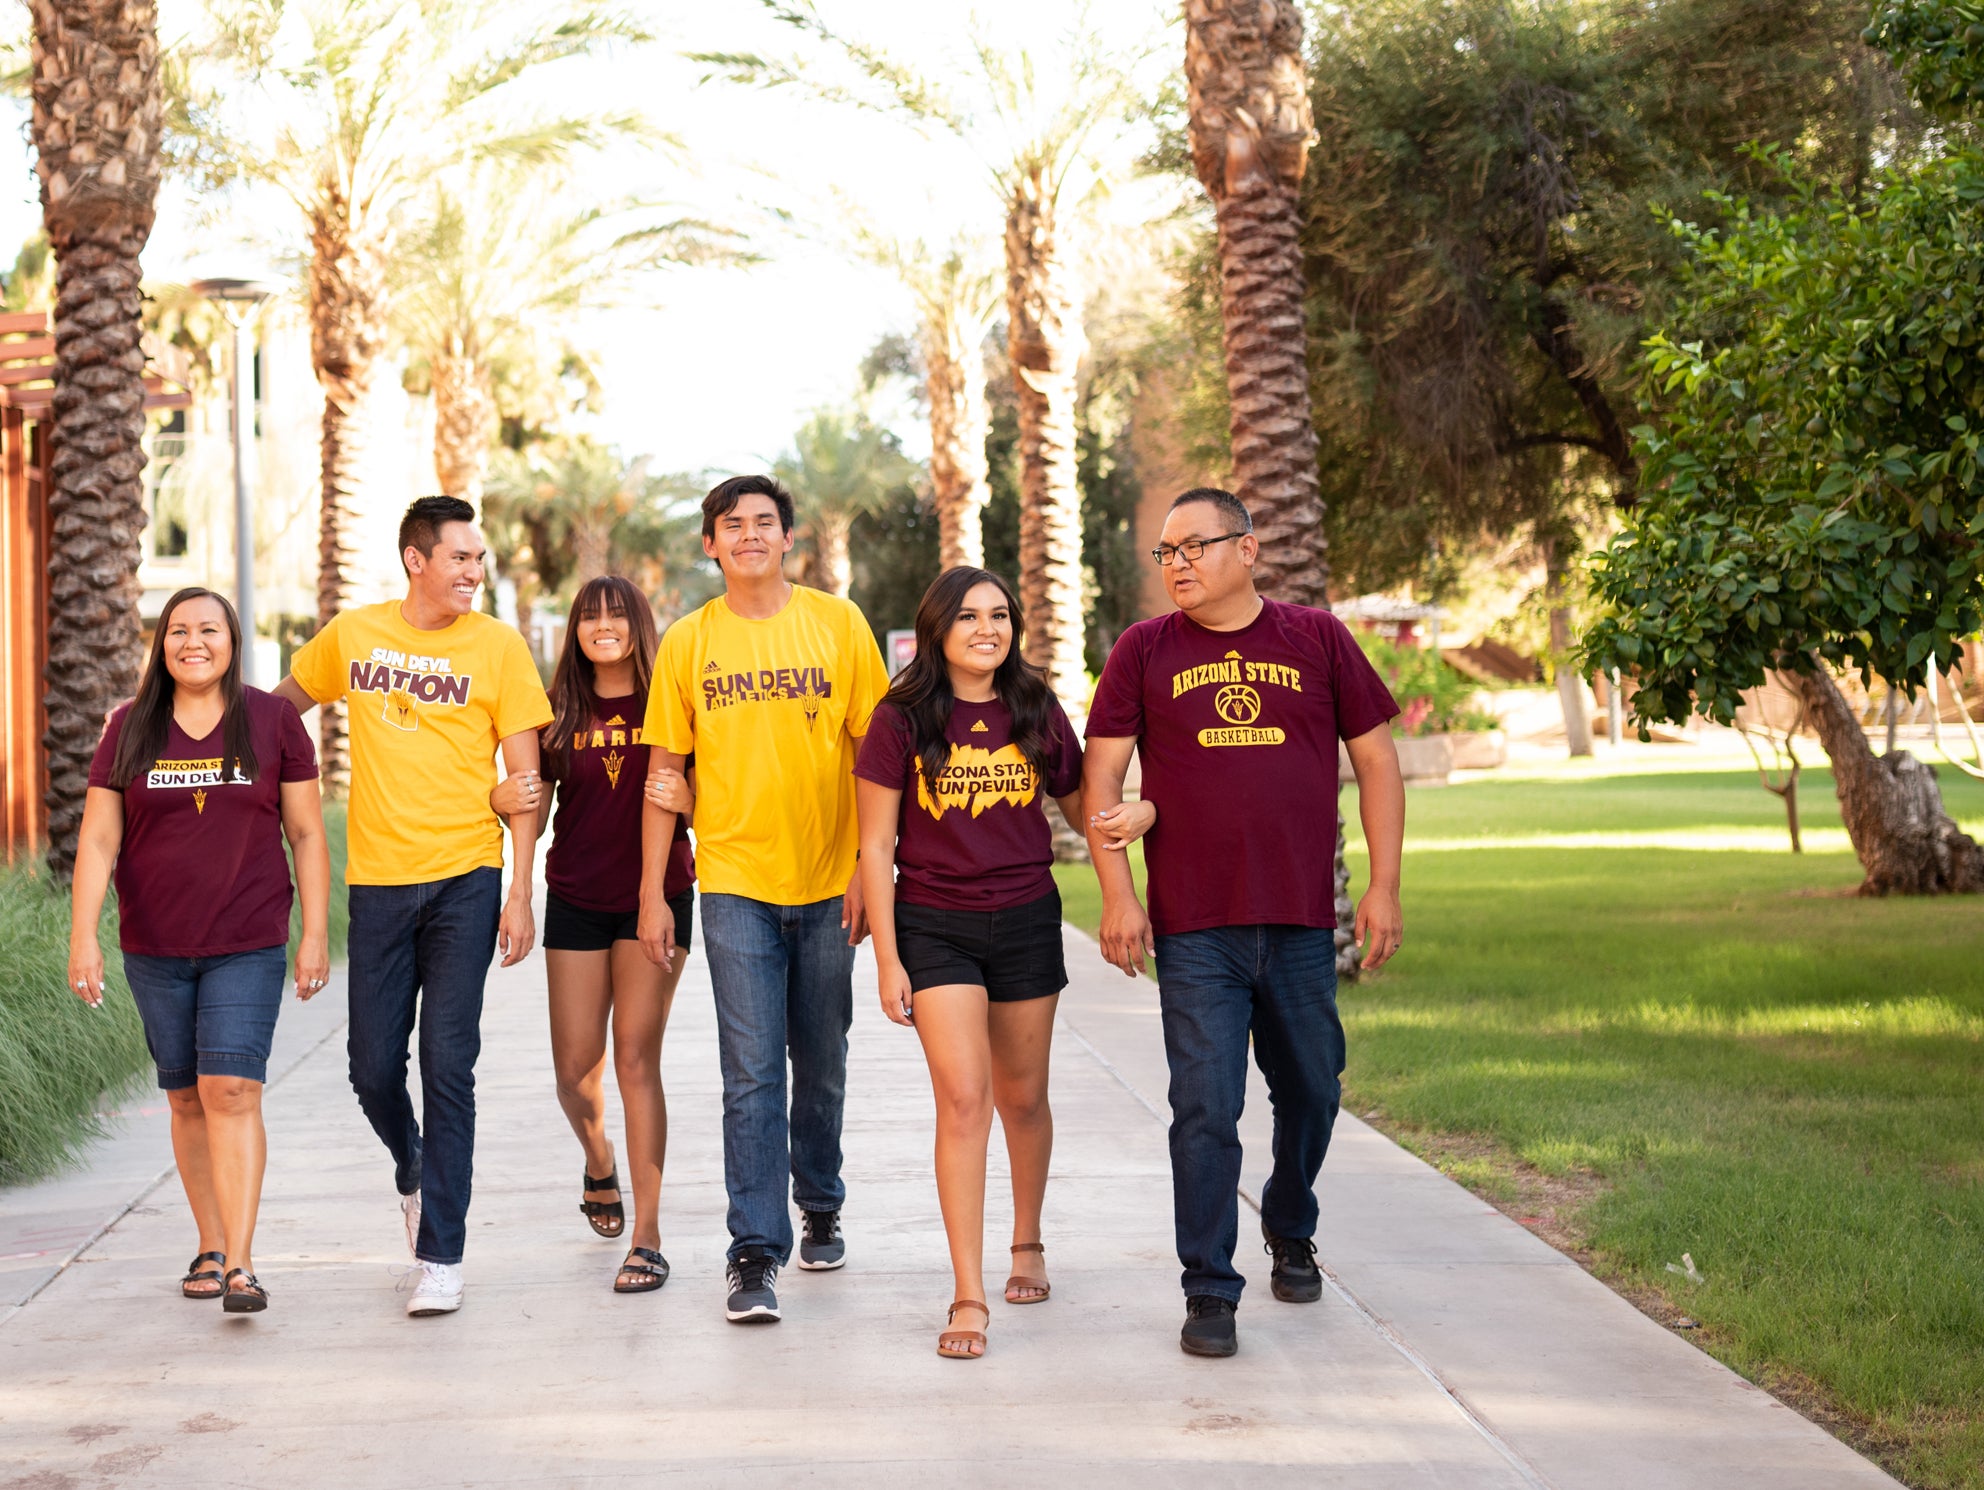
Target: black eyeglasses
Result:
[[1193, 549]]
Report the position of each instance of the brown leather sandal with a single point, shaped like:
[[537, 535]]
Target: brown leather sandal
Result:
[[955, 1345], [1020, 1280]]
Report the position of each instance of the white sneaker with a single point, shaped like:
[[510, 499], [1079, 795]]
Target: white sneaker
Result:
[[439, 1290], [410, 1213]]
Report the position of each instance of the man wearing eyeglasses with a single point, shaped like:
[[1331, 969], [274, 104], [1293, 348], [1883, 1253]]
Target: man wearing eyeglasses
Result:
[[1236, 704]]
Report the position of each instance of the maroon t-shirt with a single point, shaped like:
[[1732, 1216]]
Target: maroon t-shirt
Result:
[[201, 871], [983, 842], [595, 857], [1238, 731]]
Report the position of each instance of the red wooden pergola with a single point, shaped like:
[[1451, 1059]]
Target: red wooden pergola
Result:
[[27, 395]]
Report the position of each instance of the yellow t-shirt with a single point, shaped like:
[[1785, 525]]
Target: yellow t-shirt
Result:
[[772, 710], [428, 711]]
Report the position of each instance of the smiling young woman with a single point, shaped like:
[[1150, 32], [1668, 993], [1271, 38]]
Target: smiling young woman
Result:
[[195, 784]]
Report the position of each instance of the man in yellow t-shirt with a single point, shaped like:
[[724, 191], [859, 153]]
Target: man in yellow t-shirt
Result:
[[770, 686], [434, 689]]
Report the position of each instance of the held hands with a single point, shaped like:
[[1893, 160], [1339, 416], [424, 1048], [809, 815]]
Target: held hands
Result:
[[313, 965], [895, 993], [669, 790], [656, 930], [86, 972], [1380, 926], [516, 929], [519, 793], [1126, 938], [1123, 824]]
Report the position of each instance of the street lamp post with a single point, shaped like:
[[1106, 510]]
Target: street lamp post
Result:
[[238, 300]]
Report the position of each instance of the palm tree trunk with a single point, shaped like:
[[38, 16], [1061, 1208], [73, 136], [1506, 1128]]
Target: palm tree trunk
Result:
[[96, 121], [1045, 341], [464, 423], [954, 379], [347, 334], [1250, 130], [592, 547], [832, 570], [1906, 842], [1251, 127]]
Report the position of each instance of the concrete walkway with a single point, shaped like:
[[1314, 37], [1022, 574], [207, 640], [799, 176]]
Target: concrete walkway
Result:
[[1452, 1349]]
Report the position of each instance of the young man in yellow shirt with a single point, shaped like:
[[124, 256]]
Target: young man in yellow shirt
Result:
[[770, 686], [435, 690]]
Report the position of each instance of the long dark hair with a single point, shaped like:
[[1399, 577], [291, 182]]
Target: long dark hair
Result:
[[150, 717], [922, 690], [574, 698]]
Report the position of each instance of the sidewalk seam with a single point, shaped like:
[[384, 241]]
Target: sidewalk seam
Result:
[[144, 1193], [1528, 1473]]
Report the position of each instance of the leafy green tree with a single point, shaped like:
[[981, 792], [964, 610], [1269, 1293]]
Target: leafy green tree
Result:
[[1814, 494]]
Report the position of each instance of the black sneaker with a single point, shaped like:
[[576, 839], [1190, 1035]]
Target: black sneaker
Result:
[[821, 1246], [1209, 1328], [753, 1299], [1297, 1279]]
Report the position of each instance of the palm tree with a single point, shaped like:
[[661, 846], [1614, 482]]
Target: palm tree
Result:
[[345, 107], [494, 266], [1251, 129], [96, 123], [842, 465], [1034, 123]]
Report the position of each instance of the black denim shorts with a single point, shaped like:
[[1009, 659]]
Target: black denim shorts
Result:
[[573, 928], [1013, 954]]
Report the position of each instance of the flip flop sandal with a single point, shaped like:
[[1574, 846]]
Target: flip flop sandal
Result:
[[955, 1345], [652, 1266], [612, 1211], [196, 1274], [249, 1298], [1020, 1280]]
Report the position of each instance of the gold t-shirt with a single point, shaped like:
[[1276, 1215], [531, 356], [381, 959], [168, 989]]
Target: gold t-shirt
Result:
[[428, 712], [772, 710]]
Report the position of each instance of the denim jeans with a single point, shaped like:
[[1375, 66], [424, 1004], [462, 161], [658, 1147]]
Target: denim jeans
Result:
[[784, 979], [1215, 987], [433, 941], [208, 1016]]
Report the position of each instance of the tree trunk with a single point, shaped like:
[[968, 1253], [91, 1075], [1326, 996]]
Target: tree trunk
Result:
[[96, 121], [954, 378], [347, 334], [1570, 687], [592, 548], [1251, 128], [1045, 341], [831, 569], [1893, 809], [464, 423]]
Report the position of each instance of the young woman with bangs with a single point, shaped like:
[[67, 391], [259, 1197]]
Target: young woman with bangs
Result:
[[195, 785], [595, 754], [956, 864]]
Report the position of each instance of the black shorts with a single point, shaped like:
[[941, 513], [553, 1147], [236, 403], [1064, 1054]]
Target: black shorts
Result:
[[573, 928], [1013, 954]]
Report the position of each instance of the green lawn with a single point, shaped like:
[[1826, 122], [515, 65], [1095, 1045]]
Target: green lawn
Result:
[[1623, 997]]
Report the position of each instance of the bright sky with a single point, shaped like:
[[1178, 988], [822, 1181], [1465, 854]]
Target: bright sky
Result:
[[726, 368]]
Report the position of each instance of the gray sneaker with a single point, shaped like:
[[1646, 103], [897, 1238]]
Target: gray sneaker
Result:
[[821, 1246], [753, 1299]]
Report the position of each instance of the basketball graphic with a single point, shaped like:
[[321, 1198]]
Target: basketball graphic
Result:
[[1238, 704]]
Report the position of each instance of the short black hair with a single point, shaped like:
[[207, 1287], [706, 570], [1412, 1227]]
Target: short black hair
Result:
[[726, 494], [1231, 507], [421, 527]]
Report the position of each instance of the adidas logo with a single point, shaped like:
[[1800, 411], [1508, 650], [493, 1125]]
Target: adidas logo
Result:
[[711, 667], [616, 719], [980, 729]]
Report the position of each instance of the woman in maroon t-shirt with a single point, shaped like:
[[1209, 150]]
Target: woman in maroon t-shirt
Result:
[[594, 752], [957, 868], [195, 784]]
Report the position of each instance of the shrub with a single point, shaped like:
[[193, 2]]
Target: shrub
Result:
[[1434, 698]]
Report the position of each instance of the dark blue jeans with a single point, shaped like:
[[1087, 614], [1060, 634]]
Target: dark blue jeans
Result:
[[432, 944], [1215, 987], [784, 979]]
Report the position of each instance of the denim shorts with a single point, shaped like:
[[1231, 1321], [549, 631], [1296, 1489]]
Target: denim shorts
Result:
[[1013, 954], [208, 1016]]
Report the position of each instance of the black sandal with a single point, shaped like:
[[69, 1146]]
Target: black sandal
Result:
[[651, 1265], [613, 1210], [196, 1274], [250, 1298]]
